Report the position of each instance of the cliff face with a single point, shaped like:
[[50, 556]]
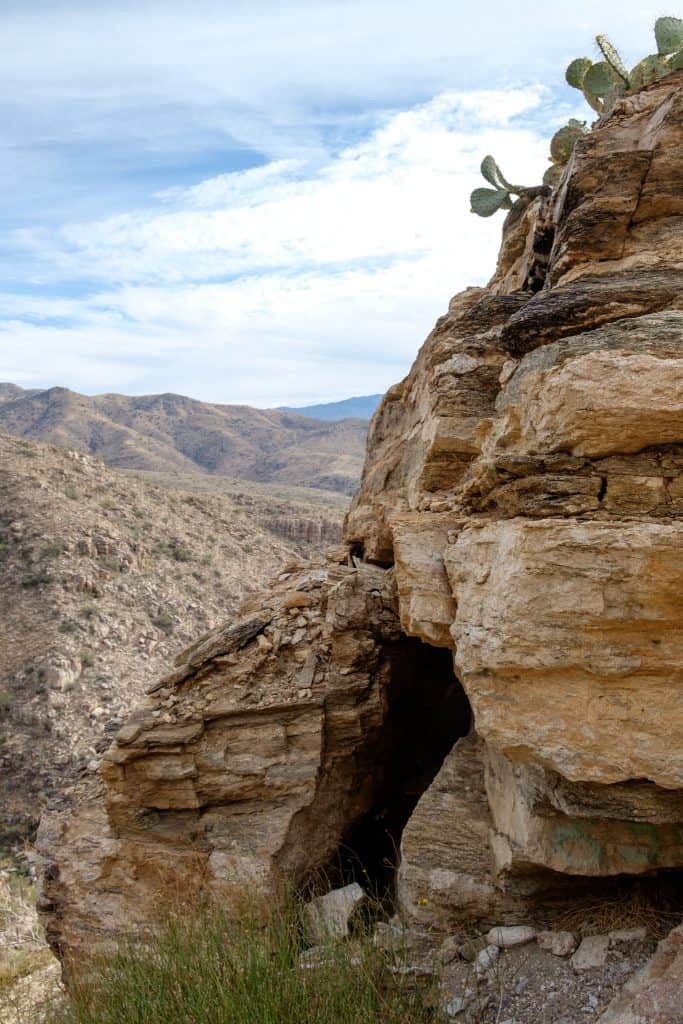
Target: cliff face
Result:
[[520, 514]]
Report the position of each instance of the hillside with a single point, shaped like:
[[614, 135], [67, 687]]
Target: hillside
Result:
[[170, 433], [360, 407], [104, 575]]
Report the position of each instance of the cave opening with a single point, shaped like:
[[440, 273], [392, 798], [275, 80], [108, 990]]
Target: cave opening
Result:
[[427, 712]]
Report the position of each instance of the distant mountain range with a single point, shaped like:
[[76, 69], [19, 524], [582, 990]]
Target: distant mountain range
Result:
[[361, 407], [170, 433]]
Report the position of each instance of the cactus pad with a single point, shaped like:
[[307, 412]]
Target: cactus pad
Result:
[[576, 72], [563, 141], [553, 175], [649, 70], [492, 172], [613, 58], [487, 201], [669, 34], [601, 79]]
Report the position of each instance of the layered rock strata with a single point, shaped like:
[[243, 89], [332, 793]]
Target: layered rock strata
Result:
[[520, 514]]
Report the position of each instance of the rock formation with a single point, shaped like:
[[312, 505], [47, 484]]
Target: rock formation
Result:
[[490, 673]]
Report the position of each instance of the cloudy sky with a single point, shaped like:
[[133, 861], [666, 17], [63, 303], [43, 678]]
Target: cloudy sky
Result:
[[263, 201]]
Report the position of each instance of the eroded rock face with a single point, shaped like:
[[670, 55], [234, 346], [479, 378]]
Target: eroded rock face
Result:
[[520, 514], [545, 548], [251, 763]]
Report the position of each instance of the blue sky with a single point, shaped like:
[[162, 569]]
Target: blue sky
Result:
[[259, 202]]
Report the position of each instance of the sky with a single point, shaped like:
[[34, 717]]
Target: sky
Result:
[[260, 202]]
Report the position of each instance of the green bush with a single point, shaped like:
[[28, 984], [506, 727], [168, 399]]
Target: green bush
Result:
[[207, 968], [35, 579]]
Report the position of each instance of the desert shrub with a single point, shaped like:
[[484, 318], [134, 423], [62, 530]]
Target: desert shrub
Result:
[[208, 968], [71, 492], [35, 579], [163, 621], [87, 659], [51, 550], [174, 549]]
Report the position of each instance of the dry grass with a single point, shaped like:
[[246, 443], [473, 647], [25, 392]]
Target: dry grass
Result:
[[638, 906]]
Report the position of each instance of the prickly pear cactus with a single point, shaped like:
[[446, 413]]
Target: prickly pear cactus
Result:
[[487, 201], [604, 82]]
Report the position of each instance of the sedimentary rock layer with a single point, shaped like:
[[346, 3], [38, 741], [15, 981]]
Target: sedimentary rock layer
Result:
[[520, 515]]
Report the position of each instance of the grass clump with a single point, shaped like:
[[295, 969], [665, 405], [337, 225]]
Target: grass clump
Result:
[[209, 967]]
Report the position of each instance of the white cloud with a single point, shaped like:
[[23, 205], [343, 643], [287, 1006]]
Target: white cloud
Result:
[[285, 283]]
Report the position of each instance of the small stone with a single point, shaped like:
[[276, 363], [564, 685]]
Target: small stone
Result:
[[487, 958], [591, 953], [557, 943], [128, 733], [450, 949], [515, 935], [468, 950], [314, 957], [452, 1007], [329, 915]]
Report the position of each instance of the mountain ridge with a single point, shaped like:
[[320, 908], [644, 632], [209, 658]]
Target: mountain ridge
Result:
[[174, 433], [356, 407]]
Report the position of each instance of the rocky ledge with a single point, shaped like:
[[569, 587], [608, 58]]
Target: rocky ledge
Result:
[[481, 694]]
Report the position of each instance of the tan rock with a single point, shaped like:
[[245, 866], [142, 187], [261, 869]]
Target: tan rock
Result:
[[559, 943], [600, 633], [591, 954]]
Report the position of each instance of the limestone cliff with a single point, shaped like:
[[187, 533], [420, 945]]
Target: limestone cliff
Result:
[[489, 676]]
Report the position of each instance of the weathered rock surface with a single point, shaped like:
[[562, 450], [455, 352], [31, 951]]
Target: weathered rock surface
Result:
[[255, 758], [521, 514], [654, 994]]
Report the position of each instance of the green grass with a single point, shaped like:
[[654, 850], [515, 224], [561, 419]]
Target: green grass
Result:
[[207, 968]]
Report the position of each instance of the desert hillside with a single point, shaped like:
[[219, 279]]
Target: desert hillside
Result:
[[170, 433], [104, 575]]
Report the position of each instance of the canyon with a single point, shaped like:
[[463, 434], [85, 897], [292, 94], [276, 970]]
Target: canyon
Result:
[[479, 694]]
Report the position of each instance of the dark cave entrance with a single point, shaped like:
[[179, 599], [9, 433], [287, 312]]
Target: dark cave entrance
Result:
[[427, 712]]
